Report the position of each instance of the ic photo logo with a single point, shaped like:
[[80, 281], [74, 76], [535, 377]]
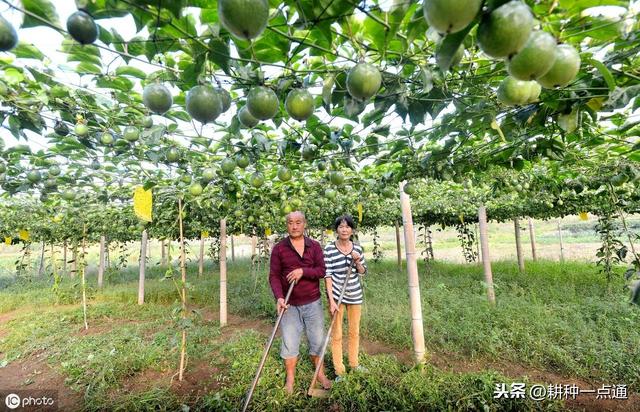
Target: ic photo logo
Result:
[[12, 401], [41, 400]]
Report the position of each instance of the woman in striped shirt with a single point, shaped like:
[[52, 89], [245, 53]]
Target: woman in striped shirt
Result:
[[338, 257]]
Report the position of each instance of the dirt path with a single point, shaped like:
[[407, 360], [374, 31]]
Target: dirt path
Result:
[[33, 373]]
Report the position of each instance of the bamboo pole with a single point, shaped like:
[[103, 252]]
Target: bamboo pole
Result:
[[516, 227], [532, 236], [101, 262], [84, 285], [477, 244], [417, 331], [398, 248], [254, 242], [223, 272], [41, 267], [183, 292], [142, 266], [486, 260], [107, 260], [64, 256], [561, 243], [201, 258], [163, 253], [74, 264]]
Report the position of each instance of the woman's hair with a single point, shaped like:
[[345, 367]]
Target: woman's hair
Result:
[[346, 219]]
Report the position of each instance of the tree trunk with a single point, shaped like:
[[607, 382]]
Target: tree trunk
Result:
[[532, 235], [516, 227], [101, 262], [142, 266], [486, 260], [233, 250], [417, 331], [163, 253], [223, 272]]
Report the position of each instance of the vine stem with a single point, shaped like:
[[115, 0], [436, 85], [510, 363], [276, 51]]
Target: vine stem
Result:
[[624, 225]]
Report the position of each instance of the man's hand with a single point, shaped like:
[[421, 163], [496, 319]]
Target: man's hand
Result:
[[281, 306], [294, 275]]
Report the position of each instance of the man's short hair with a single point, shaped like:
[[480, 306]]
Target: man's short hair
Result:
[[293, 213]]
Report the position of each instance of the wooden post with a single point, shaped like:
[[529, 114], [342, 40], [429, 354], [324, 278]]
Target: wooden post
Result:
[[516, 227], [101, 262], [223, 272], [561, 244], [486, 260], [233, 250], [398, 248], [142, 267], [532, 236], [201, 258], [417, 331]]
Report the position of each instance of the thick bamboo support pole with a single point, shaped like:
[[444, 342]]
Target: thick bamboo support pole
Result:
[[486, 260], [417, 329]]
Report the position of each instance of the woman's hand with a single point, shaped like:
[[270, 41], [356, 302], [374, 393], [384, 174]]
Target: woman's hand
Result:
[[332, 306]]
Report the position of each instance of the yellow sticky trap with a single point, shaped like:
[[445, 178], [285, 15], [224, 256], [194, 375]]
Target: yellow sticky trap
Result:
[[584, 216], [143, 203], [7, 241], [204, 234], [359, 212], [461, 217], [329, 232], [24, 235], [267, 232]]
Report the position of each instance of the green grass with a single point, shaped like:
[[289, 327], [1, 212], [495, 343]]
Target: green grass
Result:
[[561, 318]]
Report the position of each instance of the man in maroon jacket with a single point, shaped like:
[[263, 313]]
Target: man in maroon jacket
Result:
[[299, 259]]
